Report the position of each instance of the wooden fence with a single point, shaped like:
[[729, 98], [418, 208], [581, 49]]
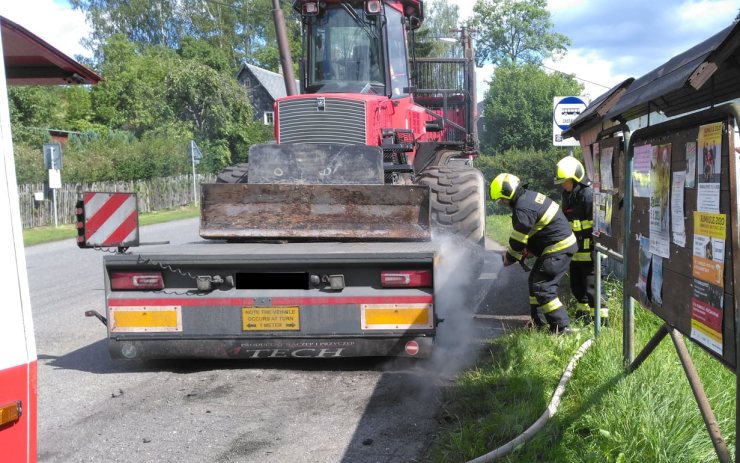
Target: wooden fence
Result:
[[153, 195]]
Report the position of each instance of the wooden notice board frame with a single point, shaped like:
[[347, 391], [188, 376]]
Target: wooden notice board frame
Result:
[[686, 302]]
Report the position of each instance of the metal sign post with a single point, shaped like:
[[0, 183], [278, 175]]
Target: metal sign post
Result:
[[195, 156], [53, 162]]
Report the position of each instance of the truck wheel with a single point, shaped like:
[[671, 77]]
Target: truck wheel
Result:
[[456, 201], [234, 174]]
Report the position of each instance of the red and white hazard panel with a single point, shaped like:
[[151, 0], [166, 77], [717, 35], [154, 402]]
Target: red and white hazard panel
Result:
[[108, 220]]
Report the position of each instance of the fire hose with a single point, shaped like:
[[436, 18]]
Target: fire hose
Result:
[[544, 418]]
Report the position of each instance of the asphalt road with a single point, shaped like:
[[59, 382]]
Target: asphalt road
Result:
[[94, 409]]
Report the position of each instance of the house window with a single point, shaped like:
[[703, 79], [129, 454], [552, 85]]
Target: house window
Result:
[[269, 118]]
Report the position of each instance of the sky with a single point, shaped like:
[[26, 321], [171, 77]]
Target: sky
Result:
[[610, 41]]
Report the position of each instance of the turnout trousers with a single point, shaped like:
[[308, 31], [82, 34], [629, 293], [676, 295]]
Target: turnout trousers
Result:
[[583, 287], [544, 280]]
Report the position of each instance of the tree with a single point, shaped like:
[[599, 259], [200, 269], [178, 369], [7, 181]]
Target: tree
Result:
[[441, 19], [237, 31], [518, 107], [515, 31]]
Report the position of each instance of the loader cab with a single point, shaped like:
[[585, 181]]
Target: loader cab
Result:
[[355, 47]]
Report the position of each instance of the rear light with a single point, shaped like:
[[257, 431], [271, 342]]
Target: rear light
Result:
[[136, 280], [406, 279]]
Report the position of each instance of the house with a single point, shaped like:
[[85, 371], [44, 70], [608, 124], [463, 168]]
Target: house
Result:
[[264, 88]]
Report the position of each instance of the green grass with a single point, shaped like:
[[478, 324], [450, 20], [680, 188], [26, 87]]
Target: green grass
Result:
[[40, 235], [605, 415], [498, 228]]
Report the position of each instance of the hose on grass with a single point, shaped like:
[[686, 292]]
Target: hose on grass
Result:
[[544, 418]]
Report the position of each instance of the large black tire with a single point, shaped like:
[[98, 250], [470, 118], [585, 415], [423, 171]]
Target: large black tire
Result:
[[234, 174], [457, 201]]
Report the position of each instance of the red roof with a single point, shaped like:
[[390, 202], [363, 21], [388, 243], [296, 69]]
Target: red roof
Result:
[[29, 60]]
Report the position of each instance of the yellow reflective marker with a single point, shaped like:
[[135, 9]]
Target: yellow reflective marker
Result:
[[10, 413], [396, 316], [146, 319]]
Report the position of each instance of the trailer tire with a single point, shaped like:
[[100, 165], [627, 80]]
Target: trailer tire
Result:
[[456, 201], [237, 173]]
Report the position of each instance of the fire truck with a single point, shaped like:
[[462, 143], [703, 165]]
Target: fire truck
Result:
[[330, 242], [25, 59]]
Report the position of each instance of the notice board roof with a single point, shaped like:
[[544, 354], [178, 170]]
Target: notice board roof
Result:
[[598, 108], [706, 74], [29, 60]]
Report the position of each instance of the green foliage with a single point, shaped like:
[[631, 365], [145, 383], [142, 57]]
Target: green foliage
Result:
[[533, 166], [226, 33], [515, 31], [518, 107], [441, 18]]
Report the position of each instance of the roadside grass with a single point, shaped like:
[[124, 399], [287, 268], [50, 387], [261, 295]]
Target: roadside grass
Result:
[[40, 235], [605, 415]]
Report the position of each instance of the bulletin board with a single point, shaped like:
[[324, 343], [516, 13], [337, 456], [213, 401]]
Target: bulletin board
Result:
[[604, 162], [681, 242]]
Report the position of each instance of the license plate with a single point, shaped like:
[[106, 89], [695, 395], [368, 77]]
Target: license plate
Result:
[[271, 319]]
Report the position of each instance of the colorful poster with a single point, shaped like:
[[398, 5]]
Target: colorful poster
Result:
[[644, 259], [641, 171], [605, 213], [708, 260], [607, 179], [677, 218], [660, 177], [706, 315], [710, 144], [691, 164], [656, 281], [597, 213]]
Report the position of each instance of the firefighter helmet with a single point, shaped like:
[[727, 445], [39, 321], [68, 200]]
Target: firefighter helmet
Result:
[[504, 186], [570, 168]]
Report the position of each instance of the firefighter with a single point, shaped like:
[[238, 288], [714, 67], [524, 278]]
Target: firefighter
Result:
[[578, 209], [539, 229]]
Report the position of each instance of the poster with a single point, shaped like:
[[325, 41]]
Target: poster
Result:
[[708, 260], [641, 171], [588, 163], [691, 164], [597, 167], [678, 228], [707, 197], [604, 214], [644, 263], [710, 144], [607, 179], [659, 200], [656, 281], [706, 315]]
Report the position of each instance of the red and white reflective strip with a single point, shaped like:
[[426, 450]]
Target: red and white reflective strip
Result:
[[17, 344], [111, 219]]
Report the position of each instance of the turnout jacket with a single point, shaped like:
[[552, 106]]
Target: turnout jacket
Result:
[[578, 209], [539, 226]]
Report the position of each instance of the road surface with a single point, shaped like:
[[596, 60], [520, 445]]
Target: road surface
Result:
[[93, 409]]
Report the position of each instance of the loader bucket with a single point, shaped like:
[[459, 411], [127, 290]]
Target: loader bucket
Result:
[[315, 212]]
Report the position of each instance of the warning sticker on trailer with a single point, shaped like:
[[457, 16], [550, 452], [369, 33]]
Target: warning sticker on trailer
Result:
[[271, 319]]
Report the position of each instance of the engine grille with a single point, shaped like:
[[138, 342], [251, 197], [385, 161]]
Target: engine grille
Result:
[[340, 121]]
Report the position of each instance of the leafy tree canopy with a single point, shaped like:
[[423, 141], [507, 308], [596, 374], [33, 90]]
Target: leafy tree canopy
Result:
[[518, 107], [515, 31]]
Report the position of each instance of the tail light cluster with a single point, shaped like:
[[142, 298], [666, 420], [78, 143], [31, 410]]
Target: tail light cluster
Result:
[[406, 279], [136, 280]]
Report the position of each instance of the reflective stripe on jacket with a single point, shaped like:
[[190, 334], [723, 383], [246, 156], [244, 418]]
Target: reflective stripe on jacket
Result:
[[578, 209], [538, 226]]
